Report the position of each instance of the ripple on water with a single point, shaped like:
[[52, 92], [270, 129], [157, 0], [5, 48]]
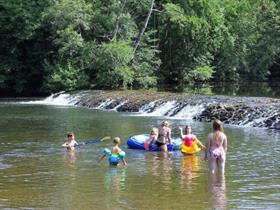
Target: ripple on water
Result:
[[4, 166]]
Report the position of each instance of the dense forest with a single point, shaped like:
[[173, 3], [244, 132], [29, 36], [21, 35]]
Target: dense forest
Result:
[[52, 45]]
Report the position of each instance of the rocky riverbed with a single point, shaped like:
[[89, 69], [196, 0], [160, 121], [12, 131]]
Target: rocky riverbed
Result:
[[244, 111]]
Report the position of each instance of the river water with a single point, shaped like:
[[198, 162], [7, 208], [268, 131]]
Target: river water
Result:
[[36, 173]]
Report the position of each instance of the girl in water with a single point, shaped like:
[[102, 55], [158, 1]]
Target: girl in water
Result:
[[191, 144], [164, 136], [216, 148], [153, 136]]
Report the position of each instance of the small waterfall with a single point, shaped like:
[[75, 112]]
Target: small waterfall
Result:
[[62, 99], [120, 104], [148, 108], [189, 112], [171, 109], [105, 104], [157, 108], [242, 111]]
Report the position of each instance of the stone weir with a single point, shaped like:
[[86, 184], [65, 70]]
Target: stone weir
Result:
[[243, 111]]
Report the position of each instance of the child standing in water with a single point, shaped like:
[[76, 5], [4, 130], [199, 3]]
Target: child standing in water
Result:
[[191, 143], [216, 148], [70, 142], [115, 154], [153, 136]]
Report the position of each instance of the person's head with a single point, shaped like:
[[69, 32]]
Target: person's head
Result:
[[218, 125], [70, 135], [154, 131], [116, 141], [188, 129], [165, 123]]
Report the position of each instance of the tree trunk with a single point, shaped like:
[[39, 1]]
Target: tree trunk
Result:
[[138, 40], [117, 26]]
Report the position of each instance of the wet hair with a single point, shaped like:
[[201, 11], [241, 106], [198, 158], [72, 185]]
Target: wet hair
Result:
[[70, 134], [218, 125], [116, 140], [165, 123]]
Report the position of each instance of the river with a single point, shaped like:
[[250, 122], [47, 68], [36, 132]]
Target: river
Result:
[[36, 173]]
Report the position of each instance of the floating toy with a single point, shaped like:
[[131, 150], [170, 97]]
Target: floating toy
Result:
[[138, 142], [191, 148]]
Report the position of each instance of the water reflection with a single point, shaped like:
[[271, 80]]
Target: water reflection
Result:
[[190, 167], [115, 180], [71, 158], [162, 168], [217, 192]]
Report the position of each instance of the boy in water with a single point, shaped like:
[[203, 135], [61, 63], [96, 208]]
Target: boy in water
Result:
[[115, 154], [70, 142]]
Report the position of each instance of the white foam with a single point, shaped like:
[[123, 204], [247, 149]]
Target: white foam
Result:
[[121, 104], [163, 109], [105, 103], [189, 111], [55, 99]]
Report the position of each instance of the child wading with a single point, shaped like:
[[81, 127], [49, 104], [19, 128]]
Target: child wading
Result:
[[216, 148], [70, 142], [191, 144], [115, 154], [153, 136]]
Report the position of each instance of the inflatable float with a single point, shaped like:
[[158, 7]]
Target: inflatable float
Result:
[[190, 145], [192, 149], [138, 141]]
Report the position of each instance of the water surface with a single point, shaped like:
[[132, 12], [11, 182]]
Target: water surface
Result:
[[36, 173]]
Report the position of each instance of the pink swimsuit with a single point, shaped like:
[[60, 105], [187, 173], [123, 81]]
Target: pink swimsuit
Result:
[[216, 156], [189, 139]]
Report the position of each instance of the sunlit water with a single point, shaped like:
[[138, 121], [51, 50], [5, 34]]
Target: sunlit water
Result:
[[36, 173]]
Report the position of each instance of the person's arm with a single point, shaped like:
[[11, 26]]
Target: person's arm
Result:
[[169, 135], [207, 147], [225, 144], [103, 156], [156, 136], [200, 144], [124, 162], [65, 144], [181, 133], [75, 143]]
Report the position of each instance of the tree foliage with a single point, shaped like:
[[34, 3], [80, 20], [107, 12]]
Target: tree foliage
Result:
[[52, 45]]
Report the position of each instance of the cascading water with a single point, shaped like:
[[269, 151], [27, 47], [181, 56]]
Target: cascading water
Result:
[[188, 112], [163, 109], [62, 99], [243, 111]]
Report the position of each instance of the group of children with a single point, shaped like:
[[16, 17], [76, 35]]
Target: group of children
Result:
[[115, 154], [215, 150]]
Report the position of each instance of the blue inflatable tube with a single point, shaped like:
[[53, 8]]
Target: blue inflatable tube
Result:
[[137, 142]]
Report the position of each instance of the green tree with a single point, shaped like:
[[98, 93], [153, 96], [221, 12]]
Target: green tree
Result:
[[189, 37], [70, 23], [112, 65], [22, 46]]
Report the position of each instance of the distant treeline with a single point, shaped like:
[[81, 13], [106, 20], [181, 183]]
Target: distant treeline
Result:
[[52, 45]]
